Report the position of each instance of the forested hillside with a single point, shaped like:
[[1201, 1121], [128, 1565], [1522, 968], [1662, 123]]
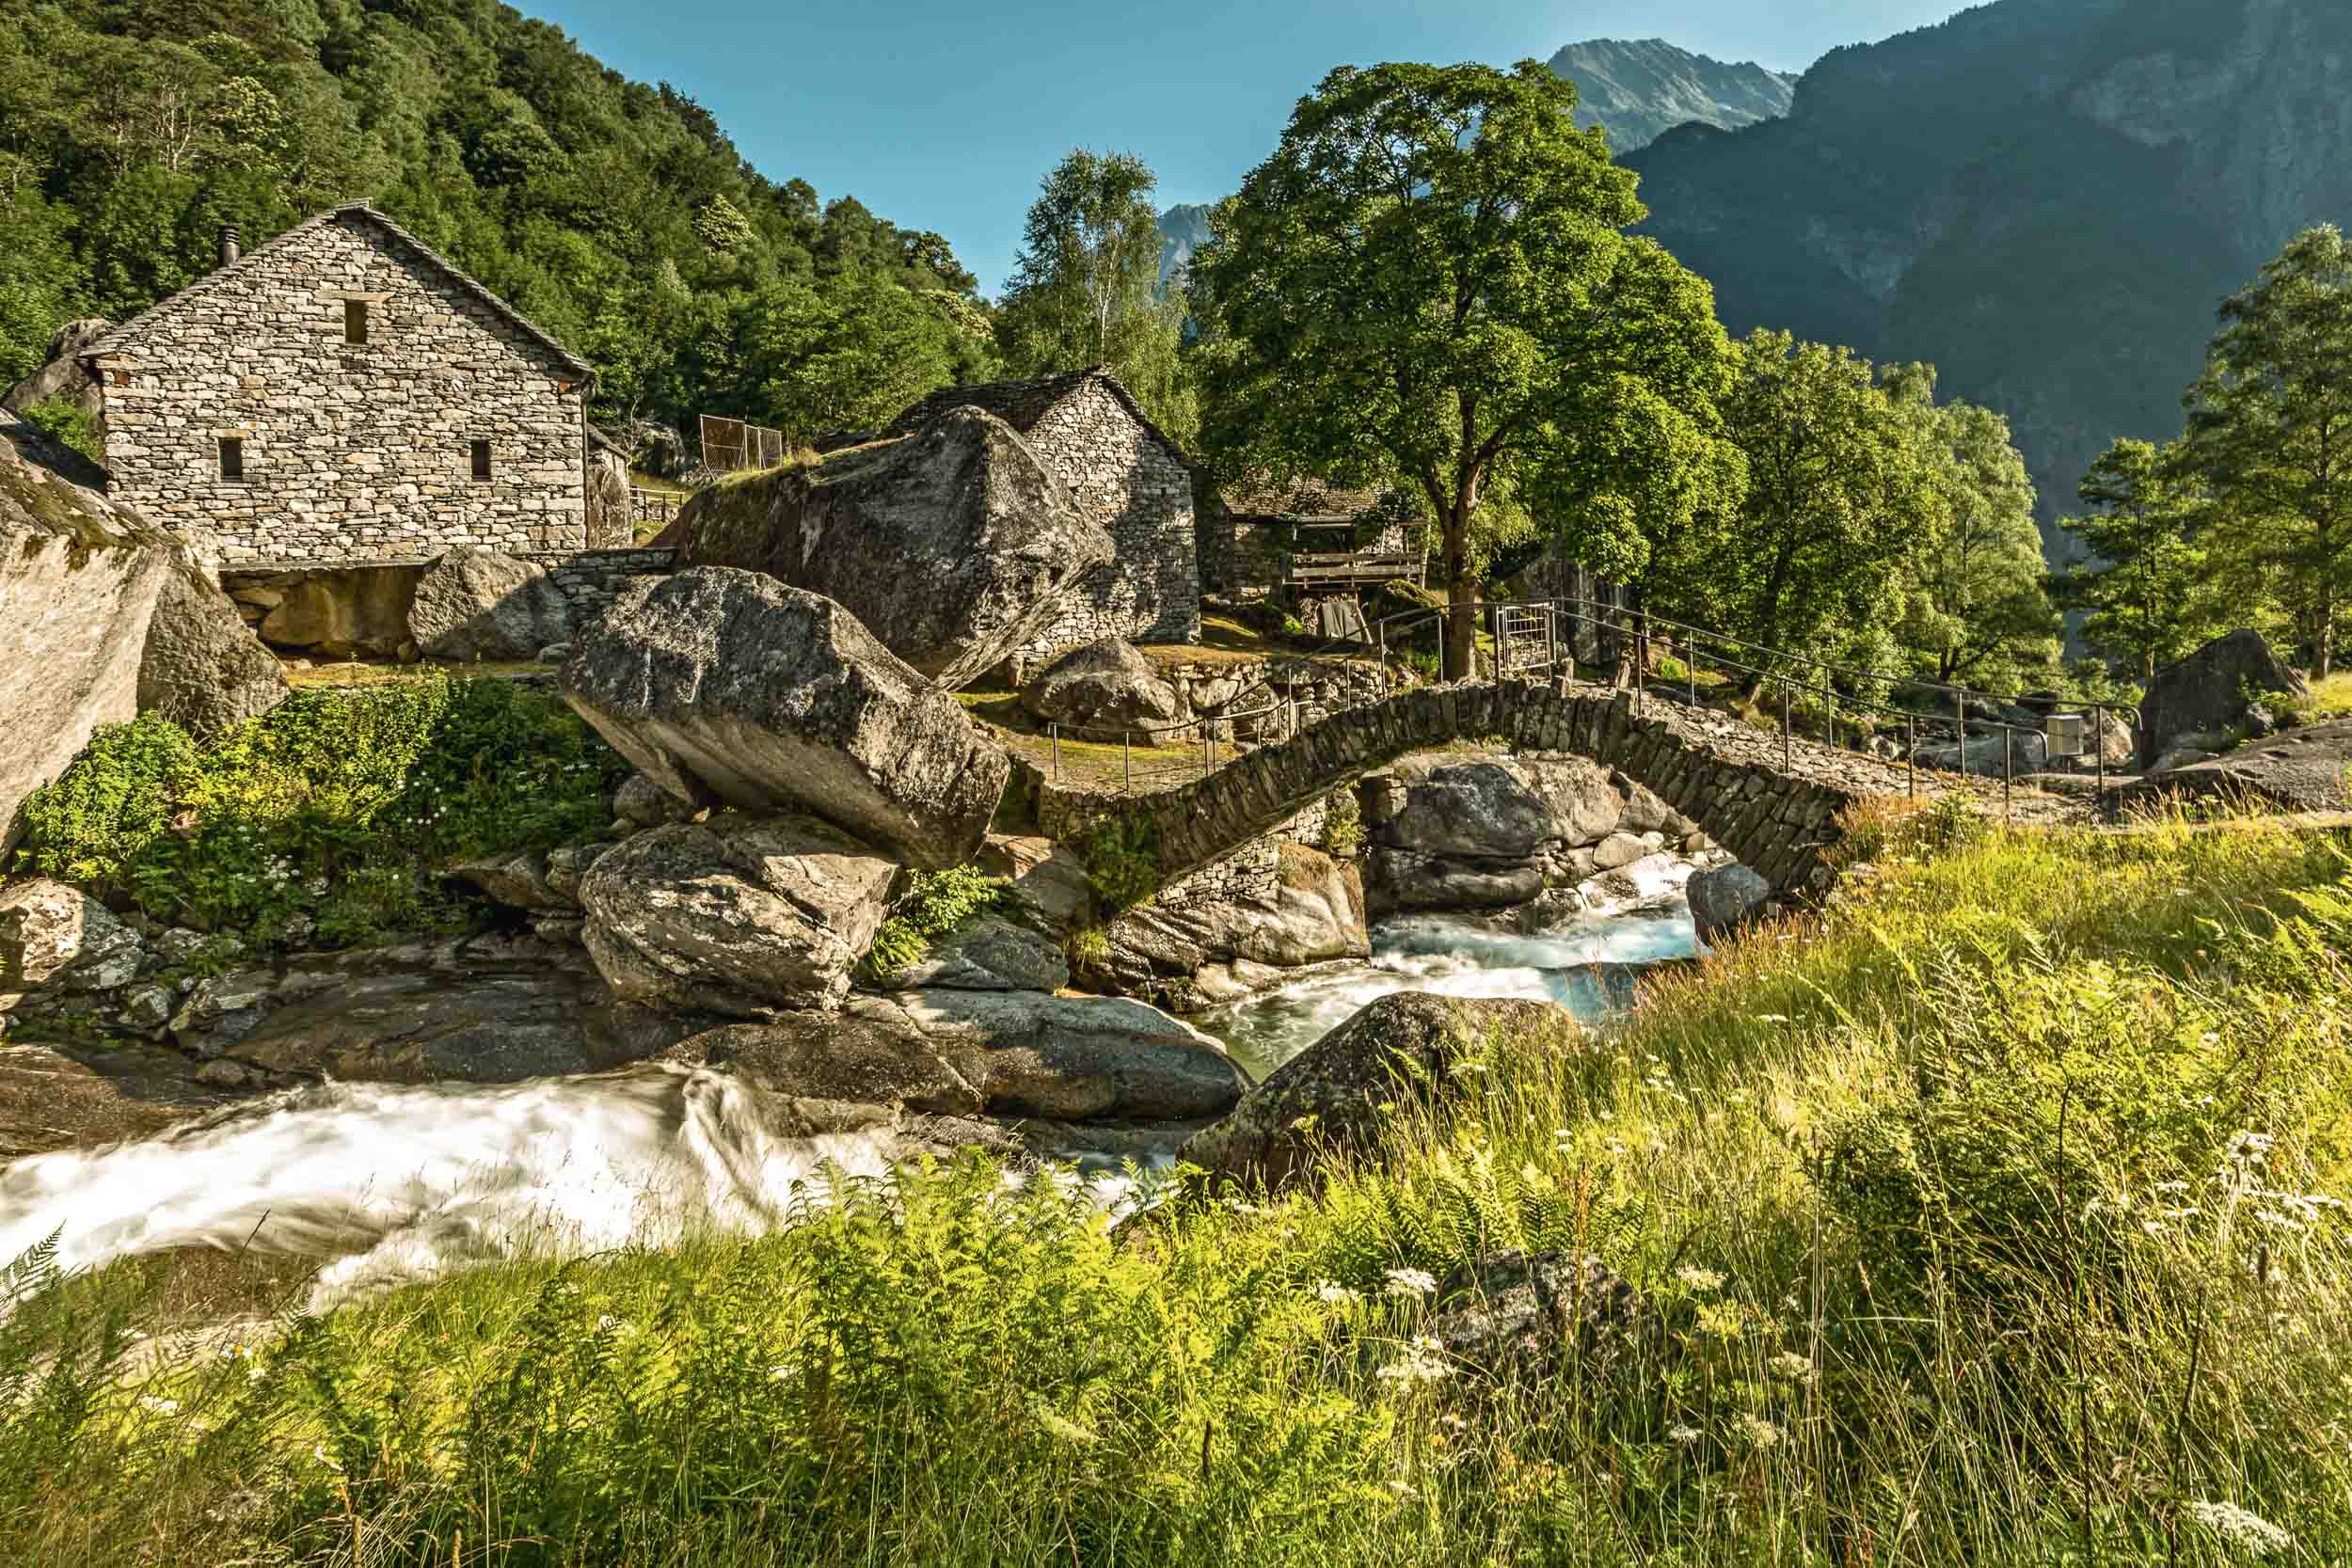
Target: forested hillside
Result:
[[2046, 198], [616, 214]]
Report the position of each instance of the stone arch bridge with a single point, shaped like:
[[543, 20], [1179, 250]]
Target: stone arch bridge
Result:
[[1780, 815]]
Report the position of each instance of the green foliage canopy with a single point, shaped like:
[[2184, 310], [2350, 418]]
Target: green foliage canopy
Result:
[[1428, 285], [2146, 586]]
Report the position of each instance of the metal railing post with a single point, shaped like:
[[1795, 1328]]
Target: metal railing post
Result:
[[1829, 706], [1787, 755], [2099, 746], [1380, 648], [1691, 666], [1911, 755], [1055, 730], [1962, 733], [2008, 754], [1126, 758]]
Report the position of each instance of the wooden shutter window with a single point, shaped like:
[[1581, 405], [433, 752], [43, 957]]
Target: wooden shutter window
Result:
[[231, 460], [355, 321], [482, 460]]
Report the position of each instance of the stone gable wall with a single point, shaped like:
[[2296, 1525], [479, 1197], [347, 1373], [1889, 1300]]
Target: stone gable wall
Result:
[[352, 452], [1117, 472]]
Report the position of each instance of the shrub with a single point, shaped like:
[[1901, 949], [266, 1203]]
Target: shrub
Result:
[[933, 904], [340, 808], [1087, 948], [62, 420], [1122, 857], [1342, 825]]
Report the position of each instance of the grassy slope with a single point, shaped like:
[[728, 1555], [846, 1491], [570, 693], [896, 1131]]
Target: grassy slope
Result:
[[1903, 1184]]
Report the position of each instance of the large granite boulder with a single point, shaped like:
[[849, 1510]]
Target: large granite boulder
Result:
[[476, 604], [1046, 883], [2010, 753], [1065, 1059], [987, 953], [728, 687], [1471, 811], [2302, 770], [1205, 940], [203, 668], [739, 915], [1398, 1048], [1106, 689], [2209, 691], [100, 614], [955, 546], [64, 375], [358, 612]]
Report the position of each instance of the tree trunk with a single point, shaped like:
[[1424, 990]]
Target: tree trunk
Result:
[[1461, 624]]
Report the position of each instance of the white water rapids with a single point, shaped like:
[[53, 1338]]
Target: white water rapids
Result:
[[399, 1183]]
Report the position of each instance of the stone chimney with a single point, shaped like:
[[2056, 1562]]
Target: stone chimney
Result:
[[228, 243]]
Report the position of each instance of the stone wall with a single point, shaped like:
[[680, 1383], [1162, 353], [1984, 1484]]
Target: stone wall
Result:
[[592, 579], [1117, 472], [351, 452]]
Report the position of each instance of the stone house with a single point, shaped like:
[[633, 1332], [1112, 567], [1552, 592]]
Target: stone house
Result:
[[1120, 469], [1257, 536], [343, 396]]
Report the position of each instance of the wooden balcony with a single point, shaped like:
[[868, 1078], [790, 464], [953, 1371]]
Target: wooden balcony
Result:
[[1310, 571]]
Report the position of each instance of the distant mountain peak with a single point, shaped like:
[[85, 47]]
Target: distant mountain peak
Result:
[[1641, 88]]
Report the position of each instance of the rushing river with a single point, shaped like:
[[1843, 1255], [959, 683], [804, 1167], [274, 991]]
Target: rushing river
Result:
[[1587, 965], [394, 1183]]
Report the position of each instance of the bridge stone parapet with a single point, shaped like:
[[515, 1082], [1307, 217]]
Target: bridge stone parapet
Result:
[[1778, 811]]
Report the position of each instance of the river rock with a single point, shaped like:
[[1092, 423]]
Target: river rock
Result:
[[2209, 691], [1586, 801], [1109, 690], [57, 938], [728, 686], [477, 604], [1726, 897], [2307, 769], [955, 547], [1064, 1058], [520, 880], [741, 915], [1532, 1317], [642, 801], [987, 953], [1327, 1098], [1198, 944], [1471, 811]]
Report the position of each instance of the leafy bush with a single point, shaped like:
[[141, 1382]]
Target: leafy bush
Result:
[[1122, 858], [63, 421], [1342, 824], [1087, 949], [933, 904], [340, 808]]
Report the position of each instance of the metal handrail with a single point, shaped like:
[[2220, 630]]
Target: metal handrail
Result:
[[1056, 730]]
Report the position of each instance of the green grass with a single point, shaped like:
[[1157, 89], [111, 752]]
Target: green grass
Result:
[[1959, 1253], [2327, 699]]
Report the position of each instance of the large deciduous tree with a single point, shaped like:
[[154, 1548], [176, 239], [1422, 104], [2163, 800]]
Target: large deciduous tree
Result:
[[1086, 288], [1977, 603], [1843, 492], [2147, 586], [1428, 285], [2270, 429]]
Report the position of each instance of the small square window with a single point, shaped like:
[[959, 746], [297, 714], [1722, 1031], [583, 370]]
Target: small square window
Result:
[[355, 321], [482, 460], [231, 459]]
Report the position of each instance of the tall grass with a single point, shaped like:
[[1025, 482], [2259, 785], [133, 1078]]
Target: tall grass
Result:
[[1988, 1218]]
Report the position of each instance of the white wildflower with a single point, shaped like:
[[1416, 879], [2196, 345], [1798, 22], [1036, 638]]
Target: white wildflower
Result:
[[1414, 1283], [2240, 1527], [2249, 1148], [1695, 1279], [1759, 1433], [1424, 1361], [1683, 1436], [157, 1406], [1788, 1364], [1337, 1295]]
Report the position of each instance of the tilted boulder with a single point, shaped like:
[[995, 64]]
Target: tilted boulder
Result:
[[53, 936], [1107, 690], [64, 375], [728, 687], [742, 916], [100, 617], [1328, 1098], [2209, 691], [1535, 1317], [955, 546], [1726, 897], [477, 604]]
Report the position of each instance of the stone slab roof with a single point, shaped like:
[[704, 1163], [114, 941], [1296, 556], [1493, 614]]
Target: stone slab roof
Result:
[[1023, 404], [129, 334], [1259, 495]]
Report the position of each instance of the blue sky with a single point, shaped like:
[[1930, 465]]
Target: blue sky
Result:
[[945, 114]]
